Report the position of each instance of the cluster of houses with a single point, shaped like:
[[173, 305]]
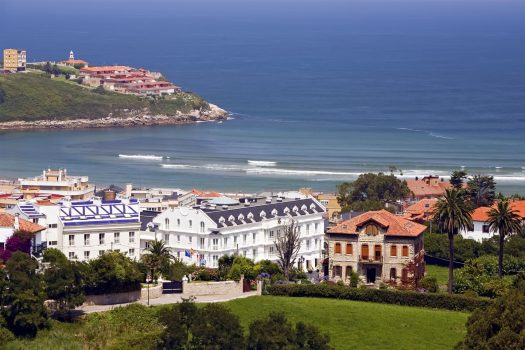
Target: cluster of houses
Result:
[[121, 79], [68, 213]]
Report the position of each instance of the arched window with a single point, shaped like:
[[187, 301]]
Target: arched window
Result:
[[349, 249], [371, 229], [202, 226], [393, 273], [337, 248], [167, 224], [393, 250], [364, 251], [191, 223], [348, 271], [404, 251], [337, 271]]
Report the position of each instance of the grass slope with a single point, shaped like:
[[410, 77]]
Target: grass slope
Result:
[[439, 272], [350, 324], [34, 96], [360, 325]]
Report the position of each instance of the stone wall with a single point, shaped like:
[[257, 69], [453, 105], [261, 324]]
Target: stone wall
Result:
[[212, 288], [122, 298]]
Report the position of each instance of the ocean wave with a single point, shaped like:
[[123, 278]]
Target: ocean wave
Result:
[[216, 167], [408, 129], [140, 156], [280, 171], [440, 136], [262, 163]]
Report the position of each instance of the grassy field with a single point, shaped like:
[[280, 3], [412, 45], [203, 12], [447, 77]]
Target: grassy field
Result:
[[34, 96], [439, 272], [350, 324]]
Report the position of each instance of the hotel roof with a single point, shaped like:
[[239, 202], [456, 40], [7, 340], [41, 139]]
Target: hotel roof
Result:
[[8, 220], [100, 213], [393, 224]]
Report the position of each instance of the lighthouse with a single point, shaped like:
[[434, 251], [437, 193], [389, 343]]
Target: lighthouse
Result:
[[71, 55]]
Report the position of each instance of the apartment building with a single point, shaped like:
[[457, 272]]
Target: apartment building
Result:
[[57, 182], [15, 60]]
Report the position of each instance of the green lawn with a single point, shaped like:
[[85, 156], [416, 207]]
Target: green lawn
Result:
[[361, 325], [439, 272], [350, 324]]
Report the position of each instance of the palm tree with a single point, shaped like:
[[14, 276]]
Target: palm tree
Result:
[[452, 214], [504, 221], [159, 256]]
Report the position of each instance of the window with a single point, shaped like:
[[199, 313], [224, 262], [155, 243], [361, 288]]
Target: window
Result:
[[71, 255], [245, 252], [215, 244], [178, 222], [377, 252], [404, 275], [101, 252], [405, 250], [166, 224], [52, 226], [202, 226], [271, 250], [178, 255], [190, 239], [371, 229], [254, 235], [316, 226], [101, 238], [307, 229], [86, 239], [86, 255], [167, 238], [132, 237], [337, 248], [393, 250], [307, 244], [337, 271], [348, 271], [349, 249], [202, 242], [271, 234], [131, 252], [116, 237], [393, 273], [244, 238], [234, 240], [225, 242], [35, 221], [215, 260], [364, 251], [178, 238], [254, 254], [71, 240], [190, 223], [485, 229]]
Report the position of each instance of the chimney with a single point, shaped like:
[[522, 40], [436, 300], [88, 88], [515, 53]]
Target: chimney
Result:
[[17, 222]]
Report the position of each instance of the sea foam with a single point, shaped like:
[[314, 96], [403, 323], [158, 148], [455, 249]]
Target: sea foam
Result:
[[140, 156]]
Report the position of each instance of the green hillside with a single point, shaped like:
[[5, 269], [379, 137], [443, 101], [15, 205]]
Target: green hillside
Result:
[[34, 96]]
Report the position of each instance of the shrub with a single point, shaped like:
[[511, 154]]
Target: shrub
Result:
[[216, 327], [408, 298], [430, 284]]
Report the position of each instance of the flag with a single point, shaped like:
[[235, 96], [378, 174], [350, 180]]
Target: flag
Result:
[[187, 253], [192, 251]]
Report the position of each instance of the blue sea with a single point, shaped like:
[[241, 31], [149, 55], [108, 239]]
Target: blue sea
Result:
[[319, 91]]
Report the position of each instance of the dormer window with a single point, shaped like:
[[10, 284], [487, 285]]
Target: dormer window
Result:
[[371, 230], [250, 216], [262, 214], [274, 212], [240, 217], [231, 218], [222, 220], [304, 208], [295, 209], [286, 210]]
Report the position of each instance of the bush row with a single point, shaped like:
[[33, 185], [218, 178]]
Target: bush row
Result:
[[408, 298]]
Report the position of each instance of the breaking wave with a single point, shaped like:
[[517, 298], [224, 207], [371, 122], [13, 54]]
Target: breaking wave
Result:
[[262, 163], [140, 156]]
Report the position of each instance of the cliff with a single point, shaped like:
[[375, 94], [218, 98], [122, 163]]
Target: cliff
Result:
[[35, 101]]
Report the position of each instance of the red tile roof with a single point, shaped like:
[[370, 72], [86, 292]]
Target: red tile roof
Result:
[[421, 210], [393, 224], [8, 220], [105, 68], [482, 213], [75, 62], [200, 193], [428, 186]]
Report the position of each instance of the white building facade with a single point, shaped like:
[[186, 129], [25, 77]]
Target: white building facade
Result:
[[225, 226]]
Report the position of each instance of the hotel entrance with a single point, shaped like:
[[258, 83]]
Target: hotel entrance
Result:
[[371, 274]]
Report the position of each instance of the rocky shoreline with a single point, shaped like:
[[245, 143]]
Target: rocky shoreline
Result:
[[124, 120]]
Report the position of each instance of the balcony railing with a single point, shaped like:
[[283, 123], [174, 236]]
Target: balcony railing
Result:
[[366, 259]]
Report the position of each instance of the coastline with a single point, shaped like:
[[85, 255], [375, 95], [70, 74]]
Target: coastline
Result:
[[129, 119]]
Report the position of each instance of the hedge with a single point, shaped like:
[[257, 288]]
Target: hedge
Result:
[[385, 296]]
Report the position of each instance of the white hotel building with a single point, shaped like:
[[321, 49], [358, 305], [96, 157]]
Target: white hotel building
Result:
[[248, 227]]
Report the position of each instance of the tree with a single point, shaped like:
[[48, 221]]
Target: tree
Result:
[[499, 326], [225, 264], [216, 327], [177, 270], [112, 272], [178, 321], [63, 282], [275, 332], [23, 299], [481, 190], [457, 178], [287, 245], [452, 214], [48, 68], [55, 70], [19, 241], [242, 266], [159, 257], [504, 221], [371, 192]]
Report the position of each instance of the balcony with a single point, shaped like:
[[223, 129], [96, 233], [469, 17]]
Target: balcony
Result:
[[364, 259]]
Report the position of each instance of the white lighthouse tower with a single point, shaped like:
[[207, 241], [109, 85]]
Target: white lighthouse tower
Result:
[[71, 55]]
